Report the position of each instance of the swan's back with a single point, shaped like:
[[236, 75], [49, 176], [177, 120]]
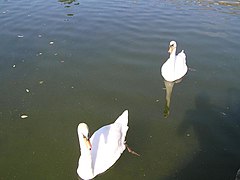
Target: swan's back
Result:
[[180, 65], [174, 68], [108, 143]]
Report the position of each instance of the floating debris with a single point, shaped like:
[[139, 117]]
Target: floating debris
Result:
[[20, 36], [223, 113], [4, 12], [229, 3], [27, 90], [70, 14], [188, 135], [41, 82], [24, 116], [192, 69], [39, 54], [131, 151], [51, 43], [14, 66], [39, 35], [55, 54]]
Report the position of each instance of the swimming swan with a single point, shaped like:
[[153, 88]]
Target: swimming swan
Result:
[[103, 149], [175, 67]]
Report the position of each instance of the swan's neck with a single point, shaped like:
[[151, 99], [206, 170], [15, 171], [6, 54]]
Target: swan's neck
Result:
[[173, 54], [85, 168]]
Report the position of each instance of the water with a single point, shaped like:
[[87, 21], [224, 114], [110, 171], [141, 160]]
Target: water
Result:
[[65, 62]]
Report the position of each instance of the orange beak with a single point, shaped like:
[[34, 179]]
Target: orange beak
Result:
[[88, 144], [170, 49]]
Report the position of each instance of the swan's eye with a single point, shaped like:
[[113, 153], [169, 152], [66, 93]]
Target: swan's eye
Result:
[[86, 137]]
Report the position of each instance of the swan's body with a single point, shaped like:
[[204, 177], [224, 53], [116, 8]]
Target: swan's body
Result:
[[175, 67], [108, 143]]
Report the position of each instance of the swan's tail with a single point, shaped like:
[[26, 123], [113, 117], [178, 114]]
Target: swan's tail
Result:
[[123, 118], [182, 54]]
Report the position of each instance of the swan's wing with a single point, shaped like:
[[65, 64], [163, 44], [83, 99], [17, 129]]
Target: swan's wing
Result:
[[180, 65], [181, 57], [107, 146]]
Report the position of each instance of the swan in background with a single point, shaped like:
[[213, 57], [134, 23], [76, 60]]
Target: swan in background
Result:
[[103, 149], [175, 67]]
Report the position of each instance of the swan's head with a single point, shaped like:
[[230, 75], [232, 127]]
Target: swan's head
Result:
[[172, 46], [83, 134]]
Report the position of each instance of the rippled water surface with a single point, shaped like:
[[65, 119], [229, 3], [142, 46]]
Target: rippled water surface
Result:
[[64, 62]]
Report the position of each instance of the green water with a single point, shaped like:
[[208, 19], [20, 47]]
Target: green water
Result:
[[66, 62]]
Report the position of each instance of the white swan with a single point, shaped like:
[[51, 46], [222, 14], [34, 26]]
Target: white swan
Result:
[[175, 67], [105, 147]]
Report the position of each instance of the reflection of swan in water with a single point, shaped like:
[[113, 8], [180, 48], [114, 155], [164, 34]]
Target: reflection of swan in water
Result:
[[175, 67], [169, 88]]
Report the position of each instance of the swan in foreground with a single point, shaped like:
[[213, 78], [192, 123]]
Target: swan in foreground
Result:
[[175, 67], [103, 149]]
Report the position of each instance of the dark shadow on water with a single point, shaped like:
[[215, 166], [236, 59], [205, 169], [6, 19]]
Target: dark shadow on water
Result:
[[217, 131]]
